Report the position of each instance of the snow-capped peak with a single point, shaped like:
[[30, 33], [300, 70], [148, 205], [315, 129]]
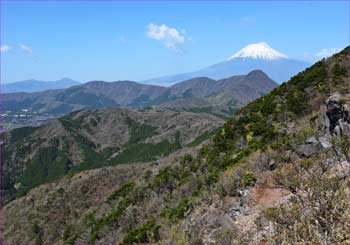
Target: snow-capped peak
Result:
[[258, 51]]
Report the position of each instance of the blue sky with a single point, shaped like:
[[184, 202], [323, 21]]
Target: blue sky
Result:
[[139, 40]]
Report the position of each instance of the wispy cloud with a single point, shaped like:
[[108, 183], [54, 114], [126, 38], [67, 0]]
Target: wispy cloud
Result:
[[314, 56], [25, 48], [5, 48], [22, 47], [326, 52], [170, 37]]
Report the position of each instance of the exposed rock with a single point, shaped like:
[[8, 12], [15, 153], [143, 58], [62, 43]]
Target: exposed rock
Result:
[[325, 142], [345, 123], [235, 209], [245, 201], [311, 140], [341, 170], [292, 155], [307, 150], [338, 114]]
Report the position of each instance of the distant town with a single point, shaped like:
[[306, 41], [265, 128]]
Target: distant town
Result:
[[25, 117]]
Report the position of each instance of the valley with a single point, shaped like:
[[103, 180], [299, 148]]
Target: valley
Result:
[[275, 172], [92, 139], [24, 117], [174, 122]]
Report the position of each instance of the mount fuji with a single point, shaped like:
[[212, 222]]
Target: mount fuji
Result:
[[255, 56]]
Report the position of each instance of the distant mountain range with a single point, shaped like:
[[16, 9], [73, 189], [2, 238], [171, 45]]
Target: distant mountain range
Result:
[[33, 85], [197, 92], [254, 56], [258, 56]]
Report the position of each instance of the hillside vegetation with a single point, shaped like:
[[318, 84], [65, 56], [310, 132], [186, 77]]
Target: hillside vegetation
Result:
[[277, 172], [92, 139]]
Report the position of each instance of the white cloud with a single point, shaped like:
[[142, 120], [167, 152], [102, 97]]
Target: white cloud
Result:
[[169, 36], [25, 48], [326, 52], [5, 48]]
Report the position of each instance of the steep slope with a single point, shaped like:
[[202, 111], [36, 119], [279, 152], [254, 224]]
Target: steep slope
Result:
[[277, 172], [32, 85], [90, 139], [252, 57]]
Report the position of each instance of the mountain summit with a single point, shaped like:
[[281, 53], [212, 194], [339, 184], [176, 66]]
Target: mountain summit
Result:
[[256, 56], [258, 51]]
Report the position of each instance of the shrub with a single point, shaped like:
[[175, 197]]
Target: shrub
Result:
[[297, 101], [177, 212], [166, 178], [187, 158], [146, 233], [318, 199], [37, 233], [147, 175], [338, 71], [110, 218], [248, 179], [35, 228], [123, 191]]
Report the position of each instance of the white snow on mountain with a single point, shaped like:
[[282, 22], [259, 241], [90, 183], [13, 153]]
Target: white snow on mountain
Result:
[[257, 56], [258, 51]]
